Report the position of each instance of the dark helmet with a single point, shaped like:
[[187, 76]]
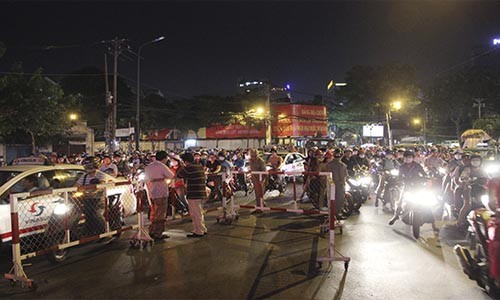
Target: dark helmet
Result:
[[388, 151], [221, 154], [476, 156], [337, 153], [90, 163], [409, 153]]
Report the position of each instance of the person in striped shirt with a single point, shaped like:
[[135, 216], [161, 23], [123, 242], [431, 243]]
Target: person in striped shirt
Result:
[[194, 176]]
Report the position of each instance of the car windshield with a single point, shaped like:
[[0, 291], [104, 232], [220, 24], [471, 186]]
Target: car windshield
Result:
[[6, 176]]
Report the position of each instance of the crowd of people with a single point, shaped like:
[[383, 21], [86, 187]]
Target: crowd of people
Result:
[[188, 171]]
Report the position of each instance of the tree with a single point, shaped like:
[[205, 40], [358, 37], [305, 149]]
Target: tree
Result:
[[35, 105], [490, 124], [450, 97]]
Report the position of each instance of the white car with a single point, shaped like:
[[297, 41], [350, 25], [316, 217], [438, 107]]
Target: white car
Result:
[[292, 162], [32, 215]]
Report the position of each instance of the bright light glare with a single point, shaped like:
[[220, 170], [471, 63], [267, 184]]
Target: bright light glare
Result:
[[259, 110], [394, 172], [190, 143], [426, 198], [397, 105], [416, 121], [496, 41], [73, 117], [60, 209], [366, 180], [493, 169], [485, 200]]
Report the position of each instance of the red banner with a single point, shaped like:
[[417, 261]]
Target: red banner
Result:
[[297, 120], [235, 131]]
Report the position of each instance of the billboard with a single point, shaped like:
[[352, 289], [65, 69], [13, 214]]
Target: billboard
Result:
[[373, 130], [235, 131], [297, 120]]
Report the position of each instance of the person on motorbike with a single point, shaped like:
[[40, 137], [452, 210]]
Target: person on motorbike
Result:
[[434, 161], [239, 164], [346, 157], [470, 180], [388, 163], [121, 164], [108, 166], [411, 173], [358, 161], [449, 185], [177, 184]]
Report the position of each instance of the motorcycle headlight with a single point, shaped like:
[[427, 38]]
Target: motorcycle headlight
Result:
[[485, 200], [492, 169], [442, 171], [354, 182], [60, 209], [394, 172], [347, 188], [425, 198], [366, 180]]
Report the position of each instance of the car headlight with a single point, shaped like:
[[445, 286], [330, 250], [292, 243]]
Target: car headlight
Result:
[[60, 209], [395, 172], [354, 182], [485, 200]]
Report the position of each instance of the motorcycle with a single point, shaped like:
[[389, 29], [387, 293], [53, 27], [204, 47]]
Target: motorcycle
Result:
[[418, 205], [359, 186], [276, 182], [480, 261], [242, 182], [84, 214], [391, 191]]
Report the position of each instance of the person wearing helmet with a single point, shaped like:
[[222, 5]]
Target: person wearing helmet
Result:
[[469, 180], [434, 161], [388, 163], [121, 164], [226, 166], [91, 175], [358, 161], [410, 174]]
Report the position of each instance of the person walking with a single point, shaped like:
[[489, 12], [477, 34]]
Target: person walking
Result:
[[194, 176], [156, 174], [339, 176], [257, 164]]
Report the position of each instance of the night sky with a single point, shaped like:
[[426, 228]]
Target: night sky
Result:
[[209, 46]]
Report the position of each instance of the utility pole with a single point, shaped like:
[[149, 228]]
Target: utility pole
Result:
[[116, 46], [268, 113], [425, 127], [479, 104], [107, 102]]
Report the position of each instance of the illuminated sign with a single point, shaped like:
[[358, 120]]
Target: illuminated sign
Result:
[[373, 130]]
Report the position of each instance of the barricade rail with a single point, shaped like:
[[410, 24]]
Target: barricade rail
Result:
[[50, 221], [318, 186]]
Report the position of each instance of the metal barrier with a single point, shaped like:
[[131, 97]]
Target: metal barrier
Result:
[[49, 222], [318, 187]]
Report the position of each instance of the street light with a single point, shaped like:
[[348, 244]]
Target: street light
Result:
[[396, 105], [137, 118], [73, 116]]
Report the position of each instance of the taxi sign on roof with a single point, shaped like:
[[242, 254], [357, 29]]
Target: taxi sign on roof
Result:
[[28, 161]]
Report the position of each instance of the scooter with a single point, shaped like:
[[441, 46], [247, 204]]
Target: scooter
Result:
[[481, 262], [391, 191], [360, 185], [419, 203]]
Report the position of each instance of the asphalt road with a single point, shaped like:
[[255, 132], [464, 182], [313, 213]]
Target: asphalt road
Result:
[[270, 255]]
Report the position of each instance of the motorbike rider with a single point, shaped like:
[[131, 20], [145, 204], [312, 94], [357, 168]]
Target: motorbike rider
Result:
[[388, 163], [121, 164], [91, 203], [434, 161], [358, 161], [108, 166], [347, 156], [410, 174], [274, 161], [469, 178]]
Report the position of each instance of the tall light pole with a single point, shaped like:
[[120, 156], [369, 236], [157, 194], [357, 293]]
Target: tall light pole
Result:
[[137, 131], [479, 104], [396, 106]]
